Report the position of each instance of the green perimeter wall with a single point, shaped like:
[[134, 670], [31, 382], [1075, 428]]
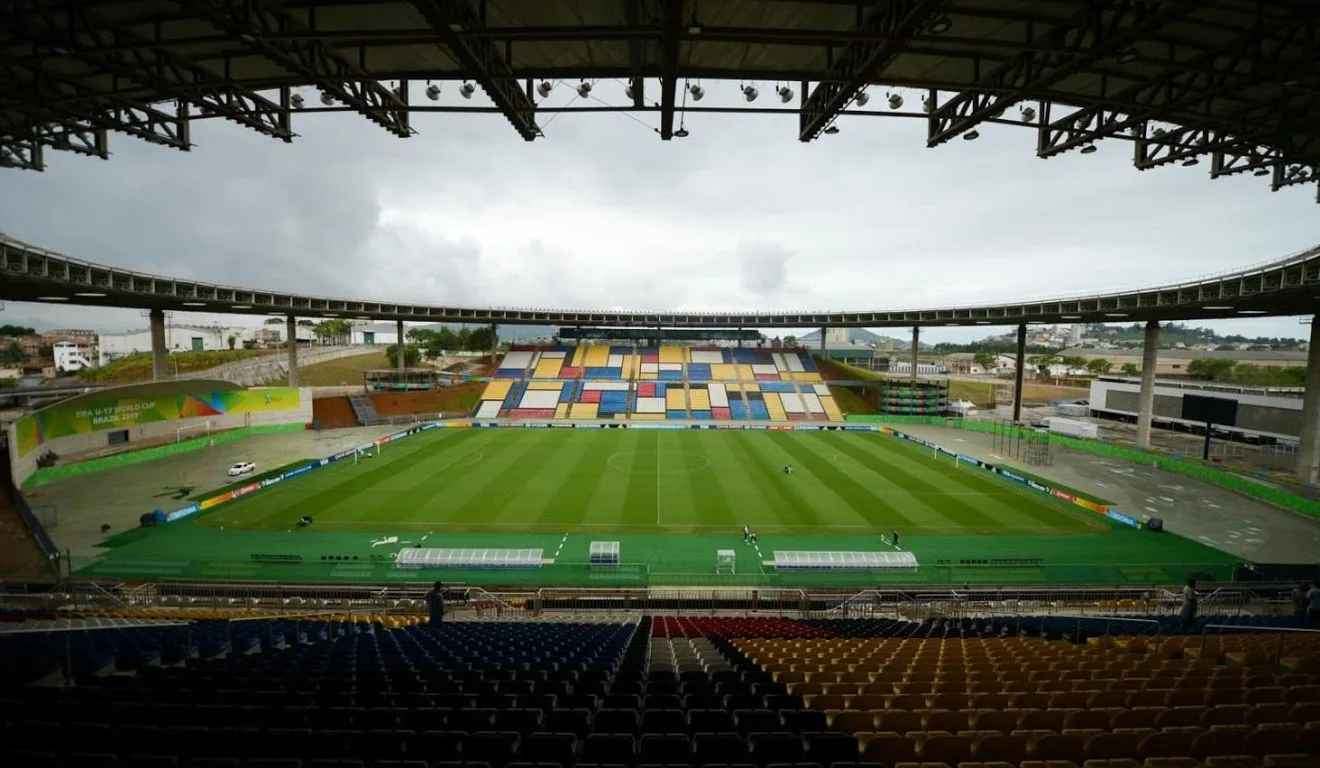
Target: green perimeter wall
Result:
[[1191, 468], [61, 472]]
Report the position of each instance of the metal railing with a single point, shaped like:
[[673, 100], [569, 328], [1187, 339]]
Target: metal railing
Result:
[[1240, 628]]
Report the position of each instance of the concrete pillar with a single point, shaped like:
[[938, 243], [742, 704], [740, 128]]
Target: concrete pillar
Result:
[[916, 348], [291, 338], [401, 359], [1020, 369], [1308, 452], [1146, 399], [822, 341], [160, 354], [494, 339]]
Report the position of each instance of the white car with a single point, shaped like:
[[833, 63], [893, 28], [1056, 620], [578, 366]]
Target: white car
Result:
[[241, 468]]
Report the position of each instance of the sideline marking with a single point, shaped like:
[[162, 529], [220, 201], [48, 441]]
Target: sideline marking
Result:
[[561, 545]]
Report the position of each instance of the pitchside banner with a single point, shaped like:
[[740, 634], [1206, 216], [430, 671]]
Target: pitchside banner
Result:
[[87, 416]]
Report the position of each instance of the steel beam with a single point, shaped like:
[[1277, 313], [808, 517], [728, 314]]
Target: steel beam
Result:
[[1098, 31], [52, 98], [460, 26], [23, 153], [890, 25], [1243, 62], [143, 60], [671, 37], [261, 26]]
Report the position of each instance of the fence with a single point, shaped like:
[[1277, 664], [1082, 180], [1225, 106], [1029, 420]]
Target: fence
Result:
[[1194, 468]]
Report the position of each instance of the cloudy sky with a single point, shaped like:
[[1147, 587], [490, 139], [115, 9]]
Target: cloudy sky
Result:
[[601, 213]]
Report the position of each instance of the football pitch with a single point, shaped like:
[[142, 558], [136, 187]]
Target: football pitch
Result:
[[671, 498]]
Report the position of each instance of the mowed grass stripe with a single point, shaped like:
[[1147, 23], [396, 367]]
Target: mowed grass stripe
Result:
[[881, 492], [732, 489], [472, 497], [835, 505], [764, 461], [1030, 508], [685, 479], [622, 495], [405, 492], [928, 484], [563, 507], [320, 492]]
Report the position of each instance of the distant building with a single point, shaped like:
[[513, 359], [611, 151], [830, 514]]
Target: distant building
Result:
[[383, 334], [69, 357], [178, 338]]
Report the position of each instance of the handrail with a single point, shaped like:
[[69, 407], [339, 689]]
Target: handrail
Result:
[[1278, 648], [85, 628], [1108, 619]]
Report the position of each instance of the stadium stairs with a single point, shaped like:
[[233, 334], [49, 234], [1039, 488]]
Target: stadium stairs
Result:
[[363, 409], [668, 691]]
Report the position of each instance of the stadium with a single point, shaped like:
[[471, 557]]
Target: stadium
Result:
[[666, 537]]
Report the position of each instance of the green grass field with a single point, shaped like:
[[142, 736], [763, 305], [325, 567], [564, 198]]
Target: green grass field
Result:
[[670, 497]]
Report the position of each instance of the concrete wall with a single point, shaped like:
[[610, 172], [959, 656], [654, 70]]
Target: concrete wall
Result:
[[1274, 414], [152, 433]]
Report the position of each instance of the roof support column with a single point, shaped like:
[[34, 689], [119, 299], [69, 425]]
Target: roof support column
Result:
[[160, 354], [1146, 399], [1308, 451], [291, 338], [1019, 370], [916, 347], [401, 353], [823, 352]]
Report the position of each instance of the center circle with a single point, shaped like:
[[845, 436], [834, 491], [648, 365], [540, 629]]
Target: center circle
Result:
[[626, 461]]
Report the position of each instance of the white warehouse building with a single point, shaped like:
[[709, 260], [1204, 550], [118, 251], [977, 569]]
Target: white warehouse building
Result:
[[178, 338], [69, 357], [376, 333]]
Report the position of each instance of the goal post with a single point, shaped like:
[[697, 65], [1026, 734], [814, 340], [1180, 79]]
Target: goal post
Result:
[[366, 452], [193, 431]]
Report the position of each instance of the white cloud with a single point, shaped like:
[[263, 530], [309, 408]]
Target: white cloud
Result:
[[740, 215]]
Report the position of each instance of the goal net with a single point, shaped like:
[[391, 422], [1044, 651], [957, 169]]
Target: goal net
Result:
[[367, 452], [193, 431]]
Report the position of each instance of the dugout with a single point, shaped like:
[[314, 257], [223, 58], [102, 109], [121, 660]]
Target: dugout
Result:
[[407, 380]]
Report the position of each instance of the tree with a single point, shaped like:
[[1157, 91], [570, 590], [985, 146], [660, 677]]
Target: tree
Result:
[[986, 360], [1214, 370], [12, 354], [274, 321], [45, 352], [16, 330], [333, 331], [412, 356], [790, 341], [481, 339], [233, 341], [306, 324], [1074, 361], [1099, 366], [1131, 369]]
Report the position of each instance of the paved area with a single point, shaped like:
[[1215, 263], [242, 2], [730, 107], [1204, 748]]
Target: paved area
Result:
[[118, 497], [1209, 514]]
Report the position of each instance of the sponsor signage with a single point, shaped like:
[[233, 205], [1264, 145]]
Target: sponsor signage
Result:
[[1122, 518]]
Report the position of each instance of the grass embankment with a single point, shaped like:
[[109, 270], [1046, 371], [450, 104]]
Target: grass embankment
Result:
[[346, 371], [462, 397], [138, 367]]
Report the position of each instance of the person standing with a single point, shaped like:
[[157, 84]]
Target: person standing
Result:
[[435, 604], [894, 533], [1313, 598], [1189, 604], [1300, 602]]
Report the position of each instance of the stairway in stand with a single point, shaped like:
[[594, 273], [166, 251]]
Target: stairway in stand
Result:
[[364, 410]]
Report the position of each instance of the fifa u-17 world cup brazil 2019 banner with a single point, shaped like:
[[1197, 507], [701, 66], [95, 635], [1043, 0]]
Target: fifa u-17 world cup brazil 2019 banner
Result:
[[87, 416]]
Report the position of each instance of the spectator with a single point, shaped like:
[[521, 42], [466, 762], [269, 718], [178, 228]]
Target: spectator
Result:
[[1299, 601], [1189, 603], [1313, 597], [435, 604]]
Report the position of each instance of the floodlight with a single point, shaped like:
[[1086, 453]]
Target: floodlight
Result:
[[750, 93], [1159, 132], [785, 93], [1189, 162], [681, 133], [862, 98], [697, 91], [544, 88], [833, 129], [433, 92], [1261, 172], [1088, 149], [1028, 114], [972, 135], [584, 89], [927, 104], [296, 100], [941, 25], [327, 99], [895, 100], [466, 90], [632, 89], [1128, 55]]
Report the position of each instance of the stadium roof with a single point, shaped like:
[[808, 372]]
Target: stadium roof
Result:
[[1237, 80], [1289, 286]]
